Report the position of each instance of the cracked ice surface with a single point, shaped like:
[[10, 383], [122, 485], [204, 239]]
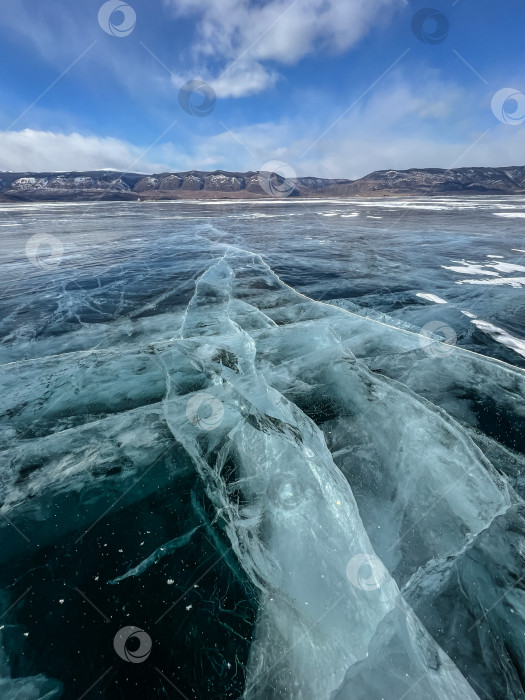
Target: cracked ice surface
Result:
[[366, 491]]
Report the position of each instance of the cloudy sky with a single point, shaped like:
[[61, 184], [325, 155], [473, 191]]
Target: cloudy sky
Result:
[[335, 88]]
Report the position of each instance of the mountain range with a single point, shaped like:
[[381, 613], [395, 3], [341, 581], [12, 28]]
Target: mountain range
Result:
[[112, 185]]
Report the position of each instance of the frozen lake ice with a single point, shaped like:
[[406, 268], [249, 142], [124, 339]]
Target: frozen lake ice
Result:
[[263, 450]]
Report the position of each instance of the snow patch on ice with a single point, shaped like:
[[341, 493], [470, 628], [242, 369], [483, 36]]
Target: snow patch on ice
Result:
[[501, 336], [431, 297]]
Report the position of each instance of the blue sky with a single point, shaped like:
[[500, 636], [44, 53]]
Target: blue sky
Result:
[[334, 88]]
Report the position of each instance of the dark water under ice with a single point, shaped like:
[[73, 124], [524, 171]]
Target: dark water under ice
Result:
[[192, 448]]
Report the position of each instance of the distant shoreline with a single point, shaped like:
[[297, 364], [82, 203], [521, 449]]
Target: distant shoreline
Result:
[[224, 199], [112, 186]]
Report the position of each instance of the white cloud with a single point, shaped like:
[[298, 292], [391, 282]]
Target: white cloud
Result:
[[243, 79], [355, 158], [240, 79], [396, 128], [350, 156], [30, 150], [244, 34]]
